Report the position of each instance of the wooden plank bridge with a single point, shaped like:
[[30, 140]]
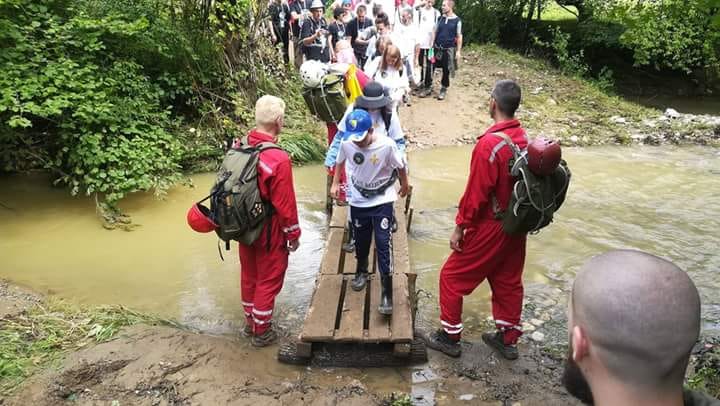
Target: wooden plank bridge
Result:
[[340, 315]]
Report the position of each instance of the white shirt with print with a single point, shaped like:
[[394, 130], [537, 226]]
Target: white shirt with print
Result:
[[370, 168], [426, 20]]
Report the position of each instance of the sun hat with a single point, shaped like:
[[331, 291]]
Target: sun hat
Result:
[[317, 4], [373, 97], [357, 125]]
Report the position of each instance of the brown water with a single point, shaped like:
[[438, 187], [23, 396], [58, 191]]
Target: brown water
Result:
[[662, 200]]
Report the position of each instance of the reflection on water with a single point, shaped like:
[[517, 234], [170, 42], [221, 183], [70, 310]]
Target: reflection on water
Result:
[[662, 200]]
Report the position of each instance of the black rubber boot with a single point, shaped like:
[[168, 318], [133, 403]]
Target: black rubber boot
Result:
[[361, 273], [386, 295], [349, 246]]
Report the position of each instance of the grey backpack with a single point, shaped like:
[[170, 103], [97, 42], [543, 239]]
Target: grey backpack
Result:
[[235, 201]]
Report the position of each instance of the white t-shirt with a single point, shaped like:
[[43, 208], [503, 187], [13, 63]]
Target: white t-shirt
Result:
[[426, 20], [396, 81], [388, 7], [369, 169], [405, 37]]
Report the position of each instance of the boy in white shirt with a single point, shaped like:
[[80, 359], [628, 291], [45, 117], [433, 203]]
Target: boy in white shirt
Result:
[[373, 164], [426, 18]]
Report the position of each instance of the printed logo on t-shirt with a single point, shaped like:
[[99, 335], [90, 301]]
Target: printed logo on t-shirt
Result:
[[359, 158], [374, 159]]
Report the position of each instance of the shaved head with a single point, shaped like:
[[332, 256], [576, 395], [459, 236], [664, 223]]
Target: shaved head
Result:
[[641, 314]]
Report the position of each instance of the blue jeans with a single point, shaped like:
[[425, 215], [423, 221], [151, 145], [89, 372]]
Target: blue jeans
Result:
[[375, 220]]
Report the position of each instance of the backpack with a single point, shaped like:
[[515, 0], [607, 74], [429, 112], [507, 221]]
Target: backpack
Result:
[[534, 199], [327, 101], [235, 202]]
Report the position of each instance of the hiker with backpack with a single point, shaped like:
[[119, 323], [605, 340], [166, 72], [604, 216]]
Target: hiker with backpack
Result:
[[489, 239], [374, 164], [263, 262]]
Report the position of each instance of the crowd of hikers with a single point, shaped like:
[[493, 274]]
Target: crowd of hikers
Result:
[[628, 345]]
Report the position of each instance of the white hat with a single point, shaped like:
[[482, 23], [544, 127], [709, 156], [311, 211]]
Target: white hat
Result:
[[317, 4]]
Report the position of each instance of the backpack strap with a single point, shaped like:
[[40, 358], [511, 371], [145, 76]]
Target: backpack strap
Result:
[[506, 141]]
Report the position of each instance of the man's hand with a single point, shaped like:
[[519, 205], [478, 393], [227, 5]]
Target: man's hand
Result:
[[292, 246], [458, 55], [456, 239], [335, 191]]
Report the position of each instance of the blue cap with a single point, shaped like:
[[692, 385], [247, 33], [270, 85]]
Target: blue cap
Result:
[[357, 125]]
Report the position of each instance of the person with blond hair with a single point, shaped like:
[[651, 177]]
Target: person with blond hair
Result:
[[264, 262], [392, 75]]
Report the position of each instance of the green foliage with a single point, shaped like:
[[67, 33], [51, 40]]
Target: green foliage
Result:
[[568, 62], [706, 373], [302, 147], [44, 334], [675, 34]]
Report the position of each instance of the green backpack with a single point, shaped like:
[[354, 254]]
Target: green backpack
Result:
[[235, 202], [534, 199], [327, 101]]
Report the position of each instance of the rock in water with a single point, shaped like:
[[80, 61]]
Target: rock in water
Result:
[[672, 113]]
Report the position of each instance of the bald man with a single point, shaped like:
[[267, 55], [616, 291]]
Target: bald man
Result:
[[633, 320]]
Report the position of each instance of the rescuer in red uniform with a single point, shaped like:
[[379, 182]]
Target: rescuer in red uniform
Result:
[[263, 264], [480, 248]]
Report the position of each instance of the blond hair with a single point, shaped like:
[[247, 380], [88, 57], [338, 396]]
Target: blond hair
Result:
[[391, 50], [268, 110]]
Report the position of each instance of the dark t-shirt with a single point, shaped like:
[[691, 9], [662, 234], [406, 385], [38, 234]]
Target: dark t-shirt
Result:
[[319, 50], [354, 29], [338, 31], [280, 17], [299, 7]]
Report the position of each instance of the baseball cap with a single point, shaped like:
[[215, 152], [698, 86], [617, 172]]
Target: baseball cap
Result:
[[357, 125]]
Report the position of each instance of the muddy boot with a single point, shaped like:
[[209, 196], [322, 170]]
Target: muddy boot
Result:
[[495, 340], [247, 331], [386, 301], [440, 341], [442, 94], [349, 246], [265, 339], [361, 274], [425, 92]]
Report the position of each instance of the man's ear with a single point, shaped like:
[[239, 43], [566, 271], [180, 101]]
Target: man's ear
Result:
[[580, 344]]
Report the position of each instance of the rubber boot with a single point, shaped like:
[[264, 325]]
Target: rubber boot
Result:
[[361, 273], [349, 246], [386, 300]]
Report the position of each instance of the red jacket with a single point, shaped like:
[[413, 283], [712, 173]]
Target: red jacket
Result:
[[489, 174], [276, 185]]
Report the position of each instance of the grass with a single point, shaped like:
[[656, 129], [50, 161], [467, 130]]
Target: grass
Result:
[[706, 373], [554, 12], [43, 335]]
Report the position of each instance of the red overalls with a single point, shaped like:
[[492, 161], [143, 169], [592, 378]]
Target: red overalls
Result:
[[263, 266], [487, 251]]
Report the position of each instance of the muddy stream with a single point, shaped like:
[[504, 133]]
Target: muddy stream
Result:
[[664, 200]]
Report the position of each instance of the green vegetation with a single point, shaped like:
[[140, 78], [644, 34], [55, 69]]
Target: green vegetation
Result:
[[706, 373], [589, 35], [44, 334], [115, 97]]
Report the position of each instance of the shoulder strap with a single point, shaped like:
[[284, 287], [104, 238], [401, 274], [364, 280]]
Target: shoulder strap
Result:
[[507, 141], [264, 146]]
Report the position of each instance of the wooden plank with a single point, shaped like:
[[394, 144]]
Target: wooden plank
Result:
[[401, 320], [339, 217], [378, 325], [330, 264], [320, 319], [351, 319]]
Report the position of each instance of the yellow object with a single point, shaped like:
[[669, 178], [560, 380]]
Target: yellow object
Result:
[[352, 85]]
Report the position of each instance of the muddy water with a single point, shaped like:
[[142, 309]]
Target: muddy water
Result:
[[662, 200]]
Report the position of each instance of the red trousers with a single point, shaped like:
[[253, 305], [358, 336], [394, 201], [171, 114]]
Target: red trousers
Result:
[[488, 253], [262, 272]]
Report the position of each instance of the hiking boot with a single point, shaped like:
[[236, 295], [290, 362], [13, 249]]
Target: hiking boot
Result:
[[265, 339], [406, 100], [442, 94], [425, 92], [359, 281], [495, 341], [440, 341], [386, 300], [247, 331], [361, 274]]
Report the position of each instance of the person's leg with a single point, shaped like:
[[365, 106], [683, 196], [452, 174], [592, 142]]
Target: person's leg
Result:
[[422, 62], [507, 296], [428, 79], [362, 230], [332, 129], [445, 81], [298, 53], [286, 47], [270, 278], [248, 283], [382, 225]]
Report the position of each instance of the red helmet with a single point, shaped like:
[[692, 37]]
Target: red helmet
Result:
[[199, 219], [543, 156]]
